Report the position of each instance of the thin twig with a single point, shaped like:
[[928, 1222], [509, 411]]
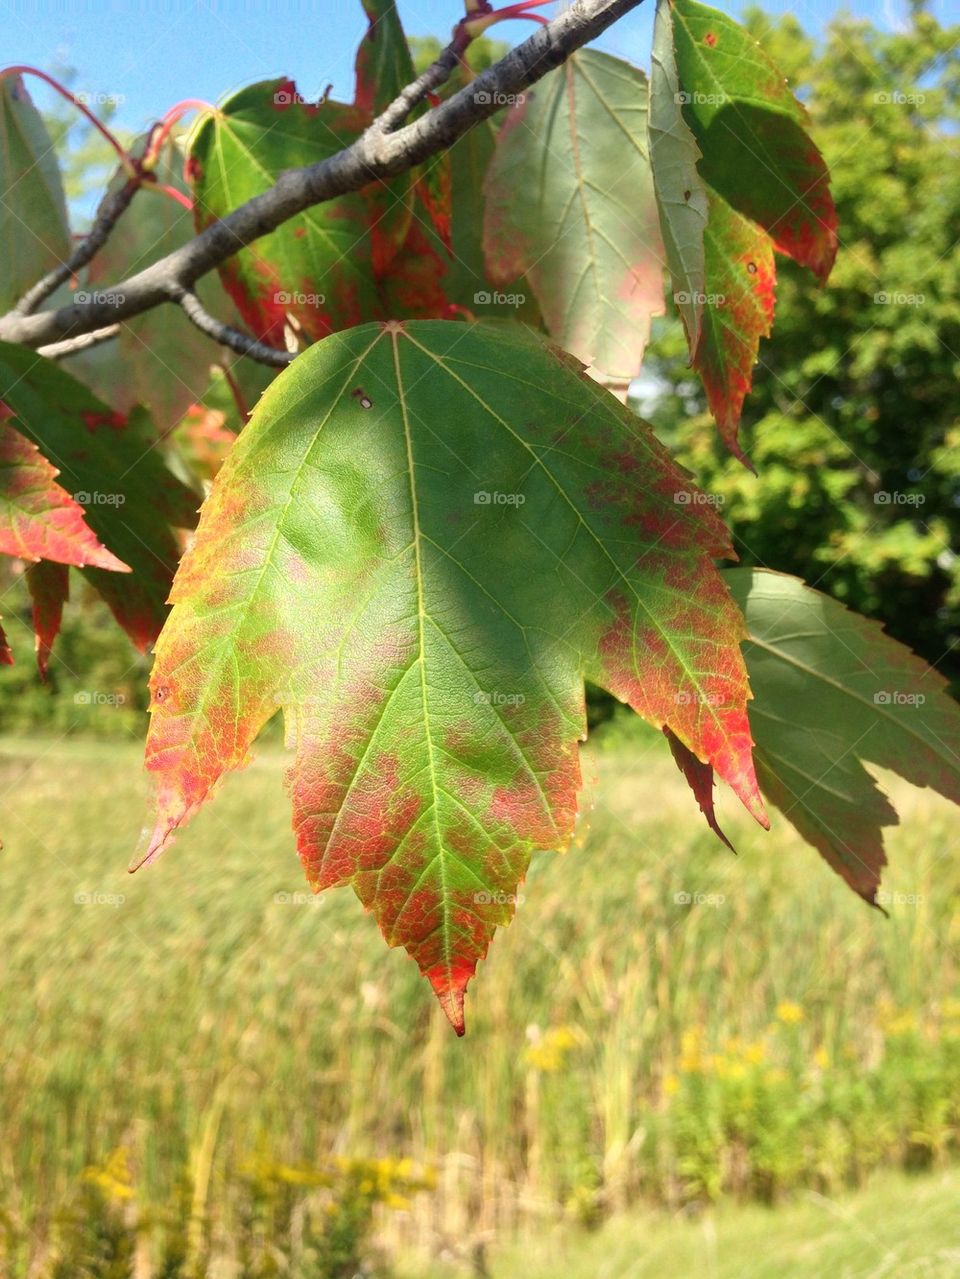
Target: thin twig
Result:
[[72, 346], [110, 209], [226, 335]]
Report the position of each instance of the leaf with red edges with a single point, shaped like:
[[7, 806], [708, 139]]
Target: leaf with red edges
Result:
[[833, 692], [752, 132], [699, 778], [737, 313], [317, 273], [383, 64], [49, 587], [413, 288], [38, 518], [425, 539], [768, 189], [434, 189], [112, 467]]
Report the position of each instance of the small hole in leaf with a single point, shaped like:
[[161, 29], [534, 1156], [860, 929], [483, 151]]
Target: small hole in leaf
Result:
[[752, 268], [360, 394], [161, 694]]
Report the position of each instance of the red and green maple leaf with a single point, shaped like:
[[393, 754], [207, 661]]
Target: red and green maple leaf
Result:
[[112, 467], [317, 273], [768, 188], [425, 604], [39, 519]]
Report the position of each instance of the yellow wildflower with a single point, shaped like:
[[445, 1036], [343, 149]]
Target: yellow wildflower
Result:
[[789, 1013]]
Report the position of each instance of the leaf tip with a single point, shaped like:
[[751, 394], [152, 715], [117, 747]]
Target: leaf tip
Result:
[[450, 987], [153, 841]]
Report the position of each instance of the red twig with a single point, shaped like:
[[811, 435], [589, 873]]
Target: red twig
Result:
[[126, 160]]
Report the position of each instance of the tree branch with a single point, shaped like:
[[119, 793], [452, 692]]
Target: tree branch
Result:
[[109, 211], [226, 335], [381, 152]]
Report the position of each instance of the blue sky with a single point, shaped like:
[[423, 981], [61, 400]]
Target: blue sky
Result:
[[150, 55]]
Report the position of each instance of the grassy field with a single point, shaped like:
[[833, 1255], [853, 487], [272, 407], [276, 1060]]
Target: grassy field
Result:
[[204, 1053], [896, 1228]]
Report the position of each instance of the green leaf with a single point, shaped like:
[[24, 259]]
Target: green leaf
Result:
[[681, 196], [833, 692], [570, 204], [112, 467], [423, 542], [318, 272], [752, 132], [384, 65], [34, 234], [768, 187]]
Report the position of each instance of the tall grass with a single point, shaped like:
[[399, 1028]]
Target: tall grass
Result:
[[662, 1022]]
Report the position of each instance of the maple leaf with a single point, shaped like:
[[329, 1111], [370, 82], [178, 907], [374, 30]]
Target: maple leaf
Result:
[[38, 518], [318, 271], [681, 195], [832, 691], [49, 587], [383, 66], [424, 604], [570, 204], [768, 188], [112, 466]]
